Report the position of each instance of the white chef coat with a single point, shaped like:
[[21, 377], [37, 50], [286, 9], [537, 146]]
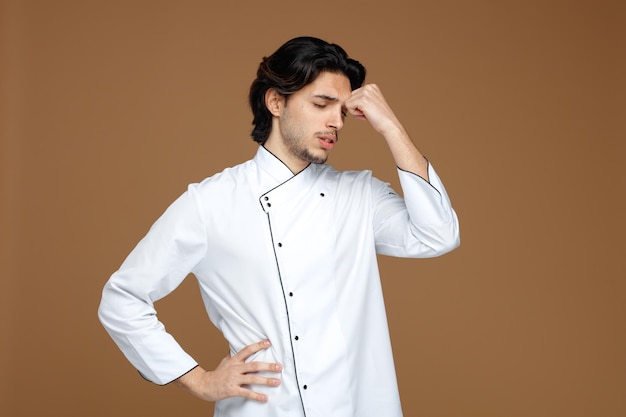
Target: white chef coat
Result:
[[290, 258]]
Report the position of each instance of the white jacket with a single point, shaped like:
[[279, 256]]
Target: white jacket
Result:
[[290, 258]]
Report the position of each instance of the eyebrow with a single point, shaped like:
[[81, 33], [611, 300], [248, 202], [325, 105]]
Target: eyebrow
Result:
[[325, 97]]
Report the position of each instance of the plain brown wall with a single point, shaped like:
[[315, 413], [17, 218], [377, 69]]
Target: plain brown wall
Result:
[[109, 108]]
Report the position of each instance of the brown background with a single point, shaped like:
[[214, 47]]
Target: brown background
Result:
[[110, 108]]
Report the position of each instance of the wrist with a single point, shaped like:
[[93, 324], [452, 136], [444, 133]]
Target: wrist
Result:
[[191, 379], [394, 132]]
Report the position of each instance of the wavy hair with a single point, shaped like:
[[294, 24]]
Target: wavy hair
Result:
[[294, 65]]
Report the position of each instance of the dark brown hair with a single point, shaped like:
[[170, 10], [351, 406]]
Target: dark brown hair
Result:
[[294, 65]]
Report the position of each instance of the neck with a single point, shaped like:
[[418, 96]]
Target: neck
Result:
[[292, 162]]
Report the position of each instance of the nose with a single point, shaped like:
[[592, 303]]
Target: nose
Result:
[[336, 121]]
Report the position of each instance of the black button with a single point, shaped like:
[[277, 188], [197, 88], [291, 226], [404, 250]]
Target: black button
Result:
[[280, 245], [305, 387], [297, 338], [322, 194], [269, 204], [291, 294], [266, 198]]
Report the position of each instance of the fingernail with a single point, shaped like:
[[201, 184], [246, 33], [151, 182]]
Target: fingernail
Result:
[[279, 367]]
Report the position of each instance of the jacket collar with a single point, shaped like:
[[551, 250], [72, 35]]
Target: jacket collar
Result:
[[272, 165], [277, 183]]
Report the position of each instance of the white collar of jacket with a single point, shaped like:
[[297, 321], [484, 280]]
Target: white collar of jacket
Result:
[[285, 185]]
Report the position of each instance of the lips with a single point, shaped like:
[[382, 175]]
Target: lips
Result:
[[327, 141]]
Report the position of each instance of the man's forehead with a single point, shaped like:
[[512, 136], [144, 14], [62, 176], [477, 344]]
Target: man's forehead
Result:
[[331, 87]]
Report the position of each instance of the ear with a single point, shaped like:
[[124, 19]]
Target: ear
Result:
[[274, 101]]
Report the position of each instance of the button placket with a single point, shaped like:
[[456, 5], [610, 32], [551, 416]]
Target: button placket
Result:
[[273, 204]]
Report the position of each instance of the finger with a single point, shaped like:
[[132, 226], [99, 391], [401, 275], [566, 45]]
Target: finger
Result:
[[252, 367], [242, 390], [247, 393], [252, 379], [355, 107], [356, 112], [250, 350]]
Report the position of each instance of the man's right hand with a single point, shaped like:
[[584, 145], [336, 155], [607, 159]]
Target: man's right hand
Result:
[[230, 377]]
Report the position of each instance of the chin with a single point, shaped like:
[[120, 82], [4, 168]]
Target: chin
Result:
[[315, 159], [320, 160]]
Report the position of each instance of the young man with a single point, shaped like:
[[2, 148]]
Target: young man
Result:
[[284, 249]]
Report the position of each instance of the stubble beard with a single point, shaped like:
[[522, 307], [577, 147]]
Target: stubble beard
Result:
[[297, 146], [303, 153]]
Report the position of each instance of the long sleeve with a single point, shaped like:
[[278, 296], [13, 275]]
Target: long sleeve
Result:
[[422, 224], [289, 258], [158, 264]]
